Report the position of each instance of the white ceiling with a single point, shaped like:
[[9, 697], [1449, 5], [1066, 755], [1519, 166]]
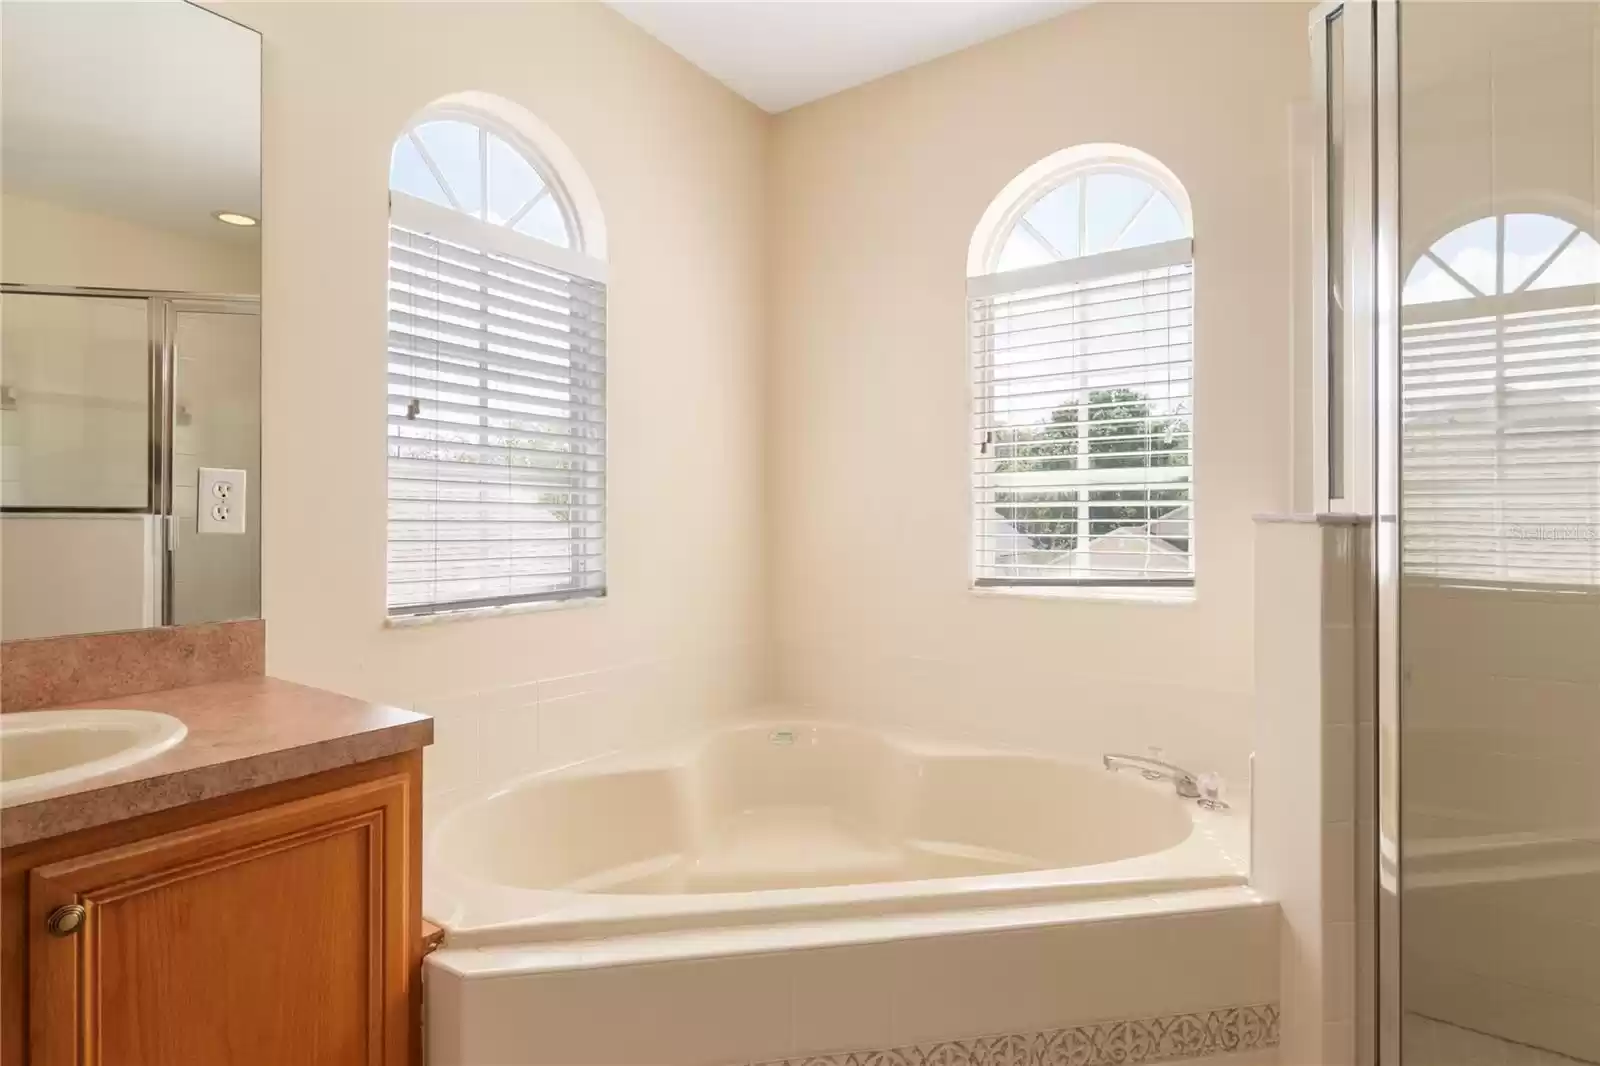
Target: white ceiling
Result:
[[145, 111], [779, 54]]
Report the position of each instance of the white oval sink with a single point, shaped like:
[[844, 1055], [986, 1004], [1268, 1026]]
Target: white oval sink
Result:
[[41, 751]]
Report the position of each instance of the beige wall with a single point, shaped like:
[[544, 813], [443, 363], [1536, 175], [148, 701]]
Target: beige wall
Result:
[[879, 191], [677, 162], [48, 243]]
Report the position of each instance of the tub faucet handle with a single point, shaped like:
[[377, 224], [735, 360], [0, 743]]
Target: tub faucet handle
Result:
[[1155, 751], [1154, 769]]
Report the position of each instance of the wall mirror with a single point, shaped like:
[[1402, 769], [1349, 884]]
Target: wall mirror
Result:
[[130, 343]]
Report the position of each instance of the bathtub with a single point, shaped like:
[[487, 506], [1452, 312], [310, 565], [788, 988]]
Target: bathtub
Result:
[[798, 821]]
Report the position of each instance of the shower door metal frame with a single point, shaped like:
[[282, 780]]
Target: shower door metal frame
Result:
[[162, 307], [1356, 454], [1380, 991]]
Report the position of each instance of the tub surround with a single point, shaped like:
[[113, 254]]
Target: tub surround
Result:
[[243, 734], [68, 670], [883, 990], [794, 889]]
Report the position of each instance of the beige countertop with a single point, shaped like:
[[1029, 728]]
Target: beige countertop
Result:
[[242, 734]]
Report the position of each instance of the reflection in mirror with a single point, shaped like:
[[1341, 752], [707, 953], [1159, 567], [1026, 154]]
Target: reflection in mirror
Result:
[[129, 320]]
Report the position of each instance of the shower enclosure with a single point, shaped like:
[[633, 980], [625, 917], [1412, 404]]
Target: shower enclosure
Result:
[[110, 402], [1458, 391]]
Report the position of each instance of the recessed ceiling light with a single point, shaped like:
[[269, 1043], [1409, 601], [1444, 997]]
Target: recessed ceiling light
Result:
[[233, 218]]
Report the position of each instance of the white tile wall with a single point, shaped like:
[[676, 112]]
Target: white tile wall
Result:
[[1309, 625], [1434, 1043], [84, 574], [1502, 719], [1072, 713], [482, 738]]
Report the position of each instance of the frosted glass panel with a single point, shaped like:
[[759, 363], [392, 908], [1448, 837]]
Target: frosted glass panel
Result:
[[74, 402]]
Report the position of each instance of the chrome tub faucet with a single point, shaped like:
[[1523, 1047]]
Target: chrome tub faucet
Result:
[[1188, 785], [1153, 769]]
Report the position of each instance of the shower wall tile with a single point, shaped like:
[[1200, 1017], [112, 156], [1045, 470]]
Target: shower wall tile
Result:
[[1310, 578], [1339, 872], [1514, 937], [1502, 715], [487, 737], [580, 726], [509, 737], [1071, 715], [1488, 1004], [1502, 632], [1339, 771]]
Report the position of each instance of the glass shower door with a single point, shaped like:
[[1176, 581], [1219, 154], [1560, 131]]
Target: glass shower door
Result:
[[79, 455], [1499, 533], [75, 410]]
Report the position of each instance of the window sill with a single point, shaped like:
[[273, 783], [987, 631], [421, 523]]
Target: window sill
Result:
[[1165, 596], [412, 621]]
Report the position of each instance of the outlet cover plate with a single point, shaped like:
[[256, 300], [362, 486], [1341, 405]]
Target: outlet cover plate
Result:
[[219, 500]]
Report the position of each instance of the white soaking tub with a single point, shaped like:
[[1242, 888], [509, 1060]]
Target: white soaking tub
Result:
[[791, 821]]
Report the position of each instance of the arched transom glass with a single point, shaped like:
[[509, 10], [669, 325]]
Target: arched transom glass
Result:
[[1095, 209], [470, 168], [1500, 404], [1503, 255]]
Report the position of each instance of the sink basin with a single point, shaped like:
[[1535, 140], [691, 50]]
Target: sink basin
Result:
[[44, 751]]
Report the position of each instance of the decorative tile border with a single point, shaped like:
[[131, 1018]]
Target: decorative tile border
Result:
[[1124, 1043], [52, 671]]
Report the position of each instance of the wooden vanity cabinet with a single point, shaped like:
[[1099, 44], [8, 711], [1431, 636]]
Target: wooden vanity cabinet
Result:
[[276, 926]]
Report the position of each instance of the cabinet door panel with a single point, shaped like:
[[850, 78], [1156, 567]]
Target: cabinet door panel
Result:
[[274, 937]]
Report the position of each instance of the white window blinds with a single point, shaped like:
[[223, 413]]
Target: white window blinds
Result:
[[496, 416], [1501, 456], [1083, 449]]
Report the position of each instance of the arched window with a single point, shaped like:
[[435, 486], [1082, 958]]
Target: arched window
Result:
[[1080, 291], [496, 366], [1500, 397]]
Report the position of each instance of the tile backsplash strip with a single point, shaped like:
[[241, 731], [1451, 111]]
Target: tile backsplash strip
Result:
[[1170, 1038], [56, 671], [486, 737]]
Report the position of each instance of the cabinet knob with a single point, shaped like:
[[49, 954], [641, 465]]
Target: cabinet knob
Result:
[[66, 920]]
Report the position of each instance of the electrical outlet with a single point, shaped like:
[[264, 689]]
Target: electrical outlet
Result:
[[219, 503]]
